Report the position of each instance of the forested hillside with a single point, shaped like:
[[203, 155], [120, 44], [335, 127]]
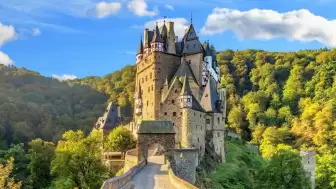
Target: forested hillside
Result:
[[282, 97], [284, 100]]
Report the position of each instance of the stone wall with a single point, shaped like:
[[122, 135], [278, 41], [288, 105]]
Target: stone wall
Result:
[[178, 182], [170, 110], [124, 180], [167, 141], [184, 163], [131, 159]]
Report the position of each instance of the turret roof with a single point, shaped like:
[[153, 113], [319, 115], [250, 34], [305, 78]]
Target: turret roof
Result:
[[186, 87], [208, 51], [210, 97], [157, 37], [164, 31], [140, 49]]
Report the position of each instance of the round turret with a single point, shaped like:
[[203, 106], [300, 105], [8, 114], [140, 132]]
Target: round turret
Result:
[[157, 42]]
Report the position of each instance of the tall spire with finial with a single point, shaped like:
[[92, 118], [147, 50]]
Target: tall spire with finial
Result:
[[191, 18]]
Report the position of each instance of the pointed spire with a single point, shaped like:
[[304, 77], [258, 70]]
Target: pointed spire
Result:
[[208, 51], [210, 97], [140, 49], [191, 18], [186, 86], [157, 37]]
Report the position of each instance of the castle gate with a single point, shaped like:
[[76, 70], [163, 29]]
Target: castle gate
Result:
[[151, 132]]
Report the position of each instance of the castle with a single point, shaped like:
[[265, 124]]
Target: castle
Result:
[[179, 81]]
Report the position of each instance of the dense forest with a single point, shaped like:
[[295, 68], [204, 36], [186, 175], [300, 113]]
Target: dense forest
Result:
[[277, 100]]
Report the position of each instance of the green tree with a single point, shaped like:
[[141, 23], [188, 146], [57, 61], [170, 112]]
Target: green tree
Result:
[[20, 162], [120, 139], [326, 171], [282, 172], [77, 161], [40, 155]]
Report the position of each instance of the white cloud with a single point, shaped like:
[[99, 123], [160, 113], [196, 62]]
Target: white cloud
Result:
[[170, 7], [36, 32], [180, 25], [7, 33], [140, 8], [104, 9], [5, 60], [64, 77], [300, 25]]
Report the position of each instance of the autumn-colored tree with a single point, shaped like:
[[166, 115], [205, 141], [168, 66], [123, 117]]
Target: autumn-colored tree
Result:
[[5, 180]]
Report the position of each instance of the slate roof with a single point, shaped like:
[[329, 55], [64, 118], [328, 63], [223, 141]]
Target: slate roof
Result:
[[186, 87], [191, 44], [156, 127], [110, 119], [164, 31], [186, 69], [210, 97], [208, 51], [179, 47], [157, 37], [140, 49]]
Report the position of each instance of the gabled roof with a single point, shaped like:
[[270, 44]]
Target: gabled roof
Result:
[[156, 127], [140, 49], [190, 34], [191, 43], [192, 47], [210, 97], [183, 70]]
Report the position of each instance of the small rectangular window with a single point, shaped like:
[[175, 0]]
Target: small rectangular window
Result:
[[165, 113], [207, 121], [173, 101], [174, 113]]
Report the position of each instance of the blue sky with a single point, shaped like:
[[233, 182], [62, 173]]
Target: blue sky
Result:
[[78, 38]]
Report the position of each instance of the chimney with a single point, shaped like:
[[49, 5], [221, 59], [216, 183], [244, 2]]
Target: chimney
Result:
[[170, 26], [146, 37]]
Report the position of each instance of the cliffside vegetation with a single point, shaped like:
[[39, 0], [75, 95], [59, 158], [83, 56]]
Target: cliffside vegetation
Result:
[[245, 168], [275, 100]]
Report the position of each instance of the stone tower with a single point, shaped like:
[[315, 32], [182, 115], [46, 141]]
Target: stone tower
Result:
[[308, 162], [178, 81]]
